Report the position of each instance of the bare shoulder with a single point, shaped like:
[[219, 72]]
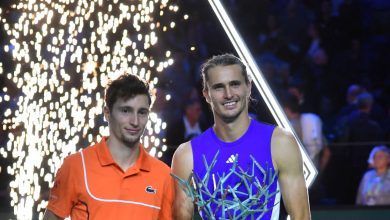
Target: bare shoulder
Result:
[[184, 149], [182, 162], [284, 147], [281, 133], [283, 141]]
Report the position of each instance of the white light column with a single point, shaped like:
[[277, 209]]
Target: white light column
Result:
[[310, 171]]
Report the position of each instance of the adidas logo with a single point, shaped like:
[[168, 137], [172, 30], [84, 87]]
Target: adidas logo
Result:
[[232, 158]]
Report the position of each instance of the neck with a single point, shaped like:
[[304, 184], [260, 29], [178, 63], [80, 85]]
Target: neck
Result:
[[294, 115], [232, 131], [380, 171], [191, 122], [122, 154]]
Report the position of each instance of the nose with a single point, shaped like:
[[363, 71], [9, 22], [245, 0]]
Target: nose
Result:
[[228, 93], [134, 120]]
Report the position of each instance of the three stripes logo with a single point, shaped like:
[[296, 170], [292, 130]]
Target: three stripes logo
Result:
[[232, 158]]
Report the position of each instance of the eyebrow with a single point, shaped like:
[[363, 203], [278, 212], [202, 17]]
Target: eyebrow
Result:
[[144, 109], [217, 85], [131, 108], [233, 82]]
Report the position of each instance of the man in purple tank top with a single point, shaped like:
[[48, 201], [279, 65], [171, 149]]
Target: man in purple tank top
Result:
[[239, 147]]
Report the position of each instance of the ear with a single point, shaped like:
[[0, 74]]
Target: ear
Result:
[[249, 91], [206, 95], [106, 112]]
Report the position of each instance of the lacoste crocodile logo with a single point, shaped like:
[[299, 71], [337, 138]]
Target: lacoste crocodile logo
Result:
[[150, 189]]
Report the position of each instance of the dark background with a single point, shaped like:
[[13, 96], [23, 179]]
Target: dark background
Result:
[[354, 49]]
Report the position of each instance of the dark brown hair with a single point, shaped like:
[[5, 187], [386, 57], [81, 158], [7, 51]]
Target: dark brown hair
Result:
[[126, 86]]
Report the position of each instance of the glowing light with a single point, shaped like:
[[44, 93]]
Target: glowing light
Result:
[[310, 171], [64, 54]]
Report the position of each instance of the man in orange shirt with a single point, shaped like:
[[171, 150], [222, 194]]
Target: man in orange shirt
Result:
[[116, 178]]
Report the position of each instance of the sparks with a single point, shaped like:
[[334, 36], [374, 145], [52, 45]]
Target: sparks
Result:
[[64, 52]]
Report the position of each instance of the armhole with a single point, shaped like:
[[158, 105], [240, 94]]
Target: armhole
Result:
[[271, 149]]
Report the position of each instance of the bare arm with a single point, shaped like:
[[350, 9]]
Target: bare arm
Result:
[[49, 215], [182, 165], [288, 161]]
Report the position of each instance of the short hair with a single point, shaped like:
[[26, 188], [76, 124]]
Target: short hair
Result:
[[126, 86], [364, 100], [291, 102], [375, 150], [354, 90], [297, 83], [222, 60]]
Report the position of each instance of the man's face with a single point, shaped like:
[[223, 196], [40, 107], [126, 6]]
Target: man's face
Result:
[[127, 119], [193, 112], [295, 92], [381, 160], [227, 92]]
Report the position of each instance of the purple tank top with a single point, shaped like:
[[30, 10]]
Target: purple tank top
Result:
[[255, 142]]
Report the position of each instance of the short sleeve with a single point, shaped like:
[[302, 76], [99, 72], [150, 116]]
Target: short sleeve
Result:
[[167, 202], [62, 195]]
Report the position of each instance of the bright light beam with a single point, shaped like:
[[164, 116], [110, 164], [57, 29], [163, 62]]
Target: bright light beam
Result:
[[310, 171]]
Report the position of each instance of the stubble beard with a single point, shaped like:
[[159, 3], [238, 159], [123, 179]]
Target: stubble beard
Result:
[[228, 118], [131, 142]]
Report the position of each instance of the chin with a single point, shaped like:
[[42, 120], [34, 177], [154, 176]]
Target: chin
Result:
[[131, 141], [229, 118]]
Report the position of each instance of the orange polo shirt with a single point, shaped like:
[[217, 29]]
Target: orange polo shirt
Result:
[[90, 185]]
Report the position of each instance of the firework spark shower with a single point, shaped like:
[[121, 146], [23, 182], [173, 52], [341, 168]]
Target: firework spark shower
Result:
[[63, 54]]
